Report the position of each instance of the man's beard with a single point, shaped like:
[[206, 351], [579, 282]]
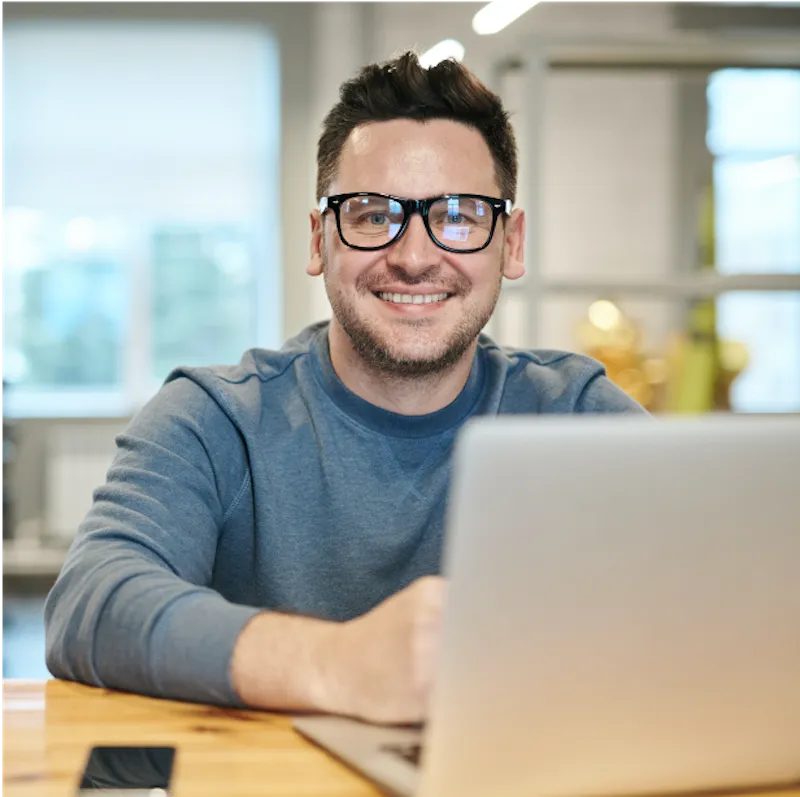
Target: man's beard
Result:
[[378, 353]]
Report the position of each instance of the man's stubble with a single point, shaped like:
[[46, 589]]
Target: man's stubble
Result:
[[371, 344]]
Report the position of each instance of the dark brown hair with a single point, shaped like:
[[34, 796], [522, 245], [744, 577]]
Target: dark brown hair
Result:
[[403, 89]]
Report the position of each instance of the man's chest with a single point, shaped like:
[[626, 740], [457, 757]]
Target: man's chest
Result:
[[334, 529]]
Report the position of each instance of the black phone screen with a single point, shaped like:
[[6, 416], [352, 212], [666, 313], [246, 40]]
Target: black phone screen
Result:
[[132, 768]]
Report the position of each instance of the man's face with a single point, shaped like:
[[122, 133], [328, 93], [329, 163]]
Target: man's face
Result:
[[414, 160]]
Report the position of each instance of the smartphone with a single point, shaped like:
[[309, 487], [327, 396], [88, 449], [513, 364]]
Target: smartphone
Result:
[[127, 772]]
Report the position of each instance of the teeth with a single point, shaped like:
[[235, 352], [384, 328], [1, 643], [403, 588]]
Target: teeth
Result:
[[407, 298]]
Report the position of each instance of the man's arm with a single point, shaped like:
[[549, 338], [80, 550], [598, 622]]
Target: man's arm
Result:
[[132, 608]]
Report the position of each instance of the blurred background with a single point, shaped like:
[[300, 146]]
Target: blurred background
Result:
[[159, 168]]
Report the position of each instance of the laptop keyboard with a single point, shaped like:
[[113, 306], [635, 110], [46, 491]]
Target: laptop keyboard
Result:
[[409, 752]]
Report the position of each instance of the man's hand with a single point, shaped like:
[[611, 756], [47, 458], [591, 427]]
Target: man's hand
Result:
[[378, 667], [382, 663]]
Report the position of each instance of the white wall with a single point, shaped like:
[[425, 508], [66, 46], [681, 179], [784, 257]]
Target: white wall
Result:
[[608, 183]]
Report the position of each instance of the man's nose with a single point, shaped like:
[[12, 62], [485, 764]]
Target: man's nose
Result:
[[415, 250]]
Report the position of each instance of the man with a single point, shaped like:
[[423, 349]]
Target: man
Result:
[[270, 533]]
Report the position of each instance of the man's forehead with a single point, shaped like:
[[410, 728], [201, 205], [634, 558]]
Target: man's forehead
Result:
[[416, 159], [409, 134]]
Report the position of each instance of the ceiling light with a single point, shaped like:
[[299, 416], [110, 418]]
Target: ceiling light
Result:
[[498, 14], [449, 48]]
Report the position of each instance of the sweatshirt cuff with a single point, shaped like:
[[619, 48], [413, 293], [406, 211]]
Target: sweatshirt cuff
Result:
[[192, 647]]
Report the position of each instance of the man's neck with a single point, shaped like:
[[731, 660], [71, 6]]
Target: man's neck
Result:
[[405, 395]]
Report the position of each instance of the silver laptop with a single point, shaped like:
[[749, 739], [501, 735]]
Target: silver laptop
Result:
[[623, 615]]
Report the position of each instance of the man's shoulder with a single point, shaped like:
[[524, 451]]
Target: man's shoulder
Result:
[[536, 364], [243, 385], [554, 381]]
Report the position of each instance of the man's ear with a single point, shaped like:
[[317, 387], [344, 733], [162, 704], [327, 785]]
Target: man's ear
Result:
[[314, 267], [515, 246]]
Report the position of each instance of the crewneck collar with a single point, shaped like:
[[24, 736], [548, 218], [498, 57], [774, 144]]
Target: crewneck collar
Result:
[[385, 421]]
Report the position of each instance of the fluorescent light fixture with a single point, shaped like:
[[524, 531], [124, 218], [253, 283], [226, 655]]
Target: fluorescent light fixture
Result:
[[449, 48], [499, 14]]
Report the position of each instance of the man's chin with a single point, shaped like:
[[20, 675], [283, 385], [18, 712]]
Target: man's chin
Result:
[[411, 368], [410, 361], [405, 349]]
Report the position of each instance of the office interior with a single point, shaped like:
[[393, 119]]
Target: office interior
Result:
[[159, 170]]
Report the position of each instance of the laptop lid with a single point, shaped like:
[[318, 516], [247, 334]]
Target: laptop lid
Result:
[[624, 608]]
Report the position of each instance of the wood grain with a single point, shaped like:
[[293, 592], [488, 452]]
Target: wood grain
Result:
[[50, 726]]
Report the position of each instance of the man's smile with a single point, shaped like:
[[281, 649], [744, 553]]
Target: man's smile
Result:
[[413, 303]]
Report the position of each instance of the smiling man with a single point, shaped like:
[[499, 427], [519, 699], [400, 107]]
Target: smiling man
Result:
[[270, 534], [411, 261]]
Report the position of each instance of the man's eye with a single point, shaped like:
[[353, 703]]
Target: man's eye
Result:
[[455, 218], [377, 218]]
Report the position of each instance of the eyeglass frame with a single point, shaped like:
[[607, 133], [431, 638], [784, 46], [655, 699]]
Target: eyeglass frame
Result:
[[410, 207]]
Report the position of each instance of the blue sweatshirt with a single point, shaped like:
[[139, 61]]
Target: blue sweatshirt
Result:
[[269, 485]]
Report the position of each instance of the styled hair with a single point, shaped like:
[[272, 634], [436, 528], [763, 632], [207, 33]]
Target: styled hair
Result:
[[403, 89]]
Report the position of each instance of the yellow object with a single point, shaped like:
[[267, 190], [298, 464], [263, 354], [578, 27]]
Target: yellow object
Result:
[[612, 338], [694, 375], [695, 363]]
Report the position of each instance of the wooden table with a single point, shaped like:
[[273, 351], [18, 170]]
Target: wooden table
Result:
[[49, 727]]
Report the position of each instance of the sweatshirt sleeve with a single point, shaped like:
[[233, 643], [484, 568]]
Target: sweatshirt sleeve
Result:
[[132, 608]]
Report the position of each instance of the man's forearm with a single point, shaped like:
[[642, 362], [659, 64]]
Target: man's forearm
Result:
[[118, 620], [377, 667], [283, 662]]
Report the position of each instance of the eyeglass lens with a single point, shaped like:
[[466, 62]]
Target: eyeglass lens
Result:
[[456, 222]]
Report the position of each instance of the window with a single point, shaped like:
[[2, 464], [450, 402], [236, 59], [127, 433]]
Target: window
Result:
[[754, 136], [140, 213]]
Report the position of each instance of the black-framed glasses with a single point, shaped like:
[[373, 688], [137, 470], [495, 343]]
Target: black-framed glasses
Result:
[[462, 223]]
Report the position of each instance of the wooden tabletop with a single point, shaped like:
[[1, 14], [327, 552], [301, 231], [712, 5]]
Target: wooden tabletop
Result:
[[50, 726]]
